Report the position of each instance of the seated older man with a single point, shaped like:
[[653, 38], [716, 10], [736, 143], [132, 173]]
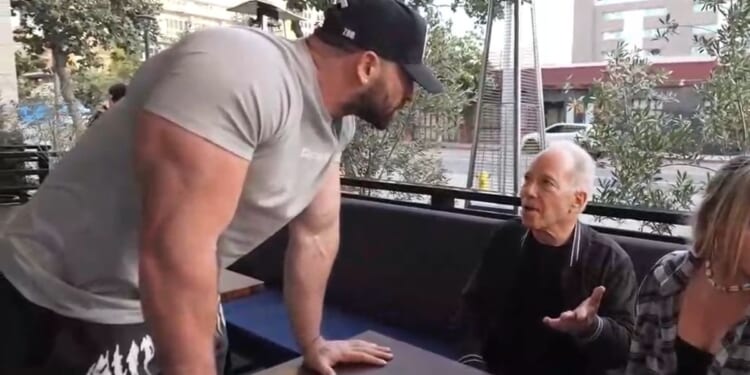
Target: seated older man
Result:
[[551, 295]]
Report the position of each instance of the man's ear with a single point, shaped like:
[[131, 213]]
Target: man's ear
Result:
[[368, 67], [579, 200]]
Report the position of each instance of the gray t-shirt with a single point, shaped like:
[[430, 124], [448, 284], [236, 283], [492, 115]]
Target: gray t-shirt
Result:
[[73, 247]]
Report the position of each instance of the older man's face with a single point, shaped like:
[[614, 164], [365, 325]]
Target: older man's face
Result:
[[548, 194]]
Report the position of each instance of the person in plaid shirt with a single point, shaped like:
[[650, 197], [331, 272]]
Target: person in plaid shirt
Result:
[[693, 308]]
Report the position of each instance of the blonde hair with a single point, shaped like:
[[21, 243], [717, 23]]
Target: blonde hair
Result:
[[723, 217]]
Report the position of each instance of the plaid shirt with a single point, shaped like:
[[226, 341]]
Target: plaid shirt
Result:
[[657, 310]]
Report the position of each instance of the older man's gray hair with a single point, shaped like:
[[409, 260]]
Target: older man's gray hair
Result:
[[584, 166]]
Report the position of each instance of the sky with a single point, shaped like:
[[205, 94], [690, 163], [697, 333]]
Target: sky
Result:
[[554, 34]]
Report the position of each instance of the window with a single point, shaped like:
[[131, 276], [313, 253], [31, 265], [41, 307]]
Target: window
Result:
[[651, 34], [612, 35], [698, 51], [699, 30], [555, 129], [609, 2], [570, 128], [655, 12], [698, 6], [613, 16]]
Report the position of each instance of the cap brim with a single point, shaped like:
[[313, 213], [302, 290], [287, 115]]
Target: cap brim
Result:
[[424, 77]]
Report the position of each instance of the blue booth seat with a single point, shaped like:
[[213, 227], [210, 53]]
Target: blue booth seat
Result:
[[265, 317]]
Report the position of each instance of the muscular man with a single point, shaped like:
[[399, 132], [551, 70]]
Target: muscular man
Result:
[[221, 141], [551, 296]]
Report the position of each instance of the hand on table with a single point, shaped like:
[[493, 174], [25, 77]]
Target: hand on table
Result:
[[583, 319], [322, 355]]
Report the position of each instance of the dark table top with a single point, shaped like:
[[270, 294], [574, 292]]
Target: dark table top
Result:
[[407, 360], [233, 285]]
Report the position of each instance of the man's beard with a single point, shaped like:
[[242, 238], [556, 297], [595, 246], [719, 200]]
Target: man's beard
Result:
[[372, 106]]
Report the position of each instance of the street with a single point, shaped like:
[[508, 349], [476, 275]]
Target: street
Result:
[[456, 163]]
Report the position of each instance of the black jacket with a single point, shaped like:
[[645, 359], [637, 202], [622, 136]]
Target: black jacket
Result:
[[601, 261]]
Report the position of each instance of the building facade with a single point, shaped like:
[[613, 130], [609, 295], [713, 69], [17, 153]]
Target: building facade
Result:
[[563, 84], [179, 17], [600, 24], [8, 83], [313, 19]]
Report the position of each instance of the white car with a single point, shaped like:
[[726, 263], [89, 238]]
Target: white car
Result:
[[561, 131]]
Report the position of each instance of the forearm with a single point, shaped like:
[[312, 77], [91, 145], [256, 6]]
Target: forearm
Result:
[[609, 341], [307, 267], [610, 345], [179, 301]]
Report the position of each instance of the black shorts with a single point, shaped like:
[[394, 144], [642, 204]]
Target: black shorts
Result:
[[34, 340]]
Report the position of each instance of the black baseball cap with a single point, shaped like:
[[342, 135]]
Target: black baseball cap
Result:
[[390, 28]]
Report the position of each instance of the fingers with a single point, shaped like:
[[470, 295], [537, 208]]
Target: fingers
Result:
[[367, 344], [596, 297], [582, 313], [554, 323], [322, 368], [550, 321], [568, 315], [367, 353], [375, 350], [365, 357], [560, 323]]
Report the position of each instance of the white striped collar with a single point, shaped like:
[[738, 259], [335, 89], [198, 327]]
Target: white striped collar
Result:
[[575, 248]]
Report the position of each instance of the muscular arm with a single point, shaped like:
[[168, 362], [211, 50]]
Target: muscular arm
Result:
[[189, 188], [313, 245]]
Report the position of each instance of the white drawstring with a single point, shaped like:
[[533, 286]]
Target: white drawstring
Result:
[[575, 251]]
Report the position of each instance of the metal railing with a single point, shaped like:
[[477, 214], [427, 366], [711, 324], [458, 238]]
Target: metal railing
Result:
[[17, 164], [445, 199], [442, 198]]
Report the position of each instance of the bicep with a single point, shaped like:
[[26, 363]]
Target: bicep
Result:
[[321, 217], [189, 186], [228, 93]]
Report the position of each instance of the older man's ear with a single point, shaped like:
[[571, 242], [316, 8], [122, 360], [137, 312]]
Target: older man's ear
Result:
[[580, 201]]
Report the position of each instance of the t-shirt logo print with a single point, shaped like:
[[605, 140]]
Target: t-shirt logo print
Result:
[[134, 361]]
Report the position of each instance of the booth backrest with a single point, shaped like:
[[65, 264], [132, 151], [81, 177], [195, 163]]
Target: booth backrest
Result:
[[407, 266], [644, 253]]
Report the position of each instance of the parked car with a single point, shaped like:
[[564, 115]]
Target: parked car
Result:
[[530, 143]]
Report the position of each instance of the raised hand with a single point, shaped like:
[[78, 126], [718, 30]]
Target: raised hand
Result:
[[583, 319]]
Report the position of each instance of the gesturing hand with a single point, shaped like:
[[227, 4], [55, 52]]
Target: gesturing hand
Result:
[[582, 319], [323, 354]]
